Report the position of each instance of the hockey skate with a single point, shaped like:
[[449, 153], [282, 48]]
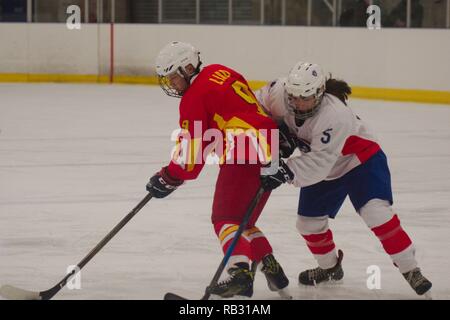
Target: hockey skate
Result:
[[276, 279], [313, 277], [417, 281], [238, 284]]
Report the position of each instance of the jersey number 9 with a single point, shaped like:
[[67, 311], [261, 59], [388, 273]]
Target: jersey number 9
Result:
[[245, 93]]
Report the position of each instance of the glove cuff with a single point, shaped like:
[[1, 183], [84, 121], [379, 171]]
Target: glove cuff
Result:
[[289, 175], [164, 173]]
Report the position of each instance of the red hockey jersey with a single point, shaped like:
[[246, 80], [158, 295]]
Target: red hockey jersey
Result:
[[220, 115]]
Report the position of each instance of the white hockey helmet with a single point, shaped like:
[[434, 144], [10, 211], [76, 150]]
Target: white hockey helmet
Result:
[[174, 58], [305, 80]]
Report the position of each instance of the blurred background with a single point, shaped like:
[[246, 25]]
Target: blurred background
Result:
[[337, 13], [119, 40]]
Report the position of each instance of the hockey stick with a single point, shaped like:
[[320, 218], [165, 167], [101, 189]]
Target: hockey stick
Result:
[[253, 204], [14, 293]]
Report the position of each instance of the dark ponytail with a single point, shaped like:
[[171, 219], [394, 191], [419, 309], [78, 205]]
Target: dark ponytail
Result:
[[339, 89]]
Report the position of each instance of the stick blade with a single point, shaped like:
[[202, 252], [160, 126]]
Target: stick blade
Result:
[[14, 293], [173, 296]]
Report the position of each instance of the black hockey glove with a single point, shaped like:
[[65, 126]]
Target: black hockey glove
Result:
[[272, 180], [288, 142], [303, 145], [162, 184]]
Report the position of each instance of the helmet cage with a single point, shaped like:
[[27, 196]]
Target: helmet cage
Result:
[[164, 81], [303, 115]]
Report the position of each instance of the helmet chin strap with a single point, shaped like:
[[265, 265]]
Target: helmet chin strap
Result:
[[301, 116], [197, 70], [187, 77]]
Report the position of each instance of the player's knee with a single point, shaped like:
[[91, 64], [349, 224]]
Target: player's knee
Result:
[[312, 225], [376, 212]]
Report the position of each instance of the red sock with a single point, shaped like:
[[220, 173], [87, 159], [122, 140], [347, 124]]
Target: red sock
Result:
[[320, 243], [252, 243], [260, 246], [226, 230], [392, 236]]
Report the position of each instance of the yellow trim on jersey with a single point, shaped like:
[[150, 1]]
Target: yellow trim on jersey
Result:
[[186, 151], [390, 94], [194, 149], [256, 85], [238, 126], [185, 125]]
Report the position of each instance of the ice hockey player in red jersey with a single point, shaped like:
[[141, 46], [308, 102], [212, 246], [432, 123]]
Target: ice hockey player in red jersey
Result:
[[216, 101], [340, 157]]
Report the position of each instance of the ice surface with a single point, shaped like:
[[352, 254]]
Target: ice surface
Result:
[[74, 160]]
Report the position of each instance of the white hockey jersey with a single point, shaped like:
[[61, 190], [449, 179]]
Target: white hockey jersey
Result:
[[336, 140]]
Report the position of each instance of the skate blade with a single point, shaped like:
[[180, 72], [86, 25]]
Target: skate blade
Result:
[[217, 297], [285, 294], [427, 295], [325, 284]]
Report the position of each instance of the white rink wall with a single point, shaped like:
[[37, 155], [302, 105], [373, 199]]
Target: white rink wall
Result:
[[388, 58], [48, 48]]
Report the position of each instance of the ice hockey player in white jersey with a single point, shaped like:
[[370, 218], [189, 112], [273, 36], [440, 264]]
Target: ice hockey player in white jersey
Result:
[[339, 156]]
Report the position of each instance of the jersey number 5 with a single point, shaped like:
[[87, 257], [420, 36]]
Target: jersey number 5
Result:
[[244, 92], [326, 136]]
